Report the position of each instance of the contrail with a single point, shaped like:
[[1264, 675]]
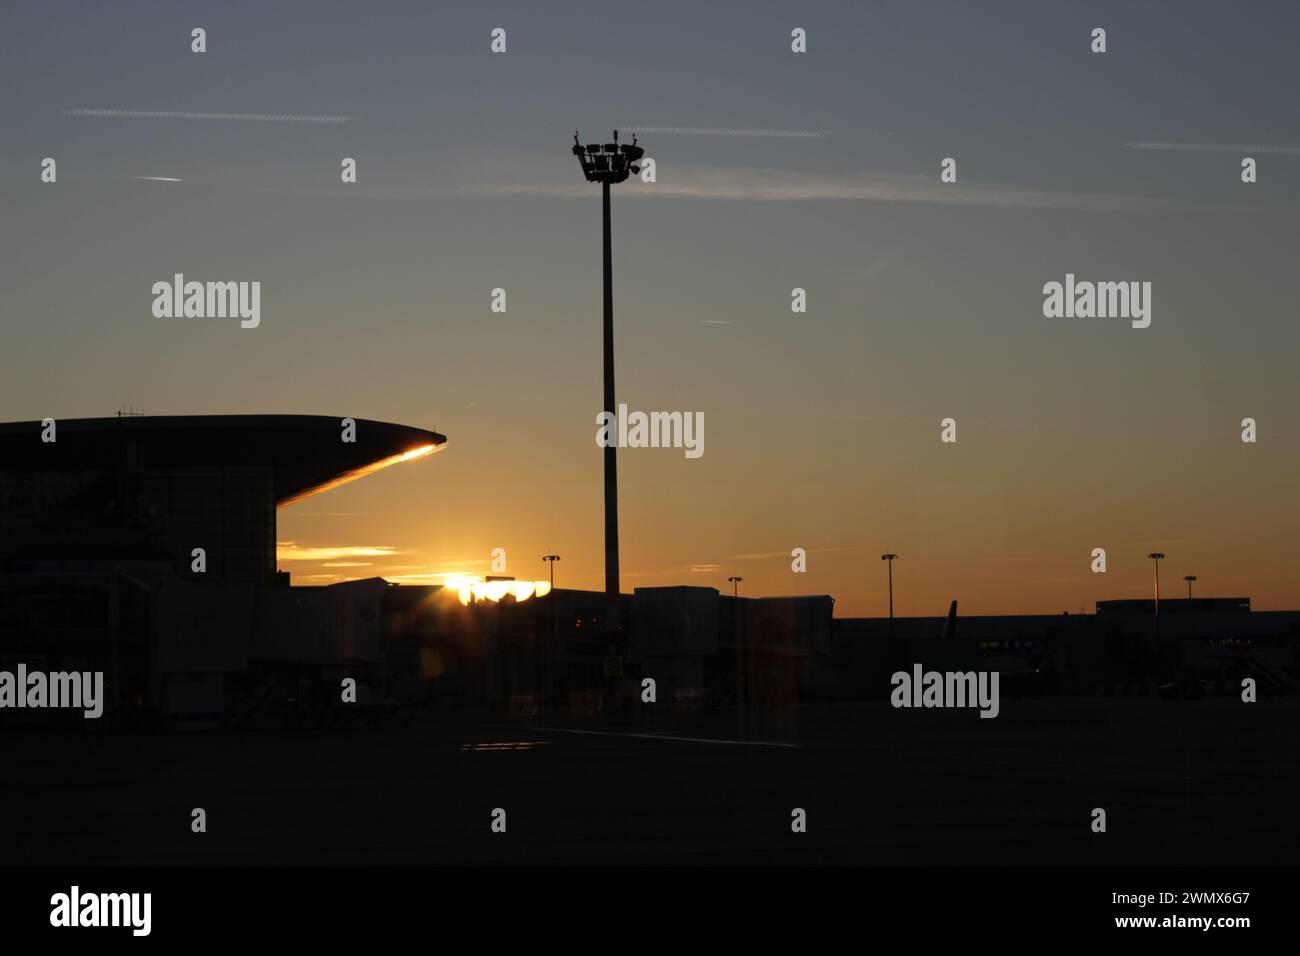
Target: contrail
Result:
[[159, 179], [1218, 148], [253, 117], [715, 131]]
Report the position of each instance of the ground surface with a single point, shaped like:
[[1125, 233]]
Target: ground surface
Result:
[[1183, 782]]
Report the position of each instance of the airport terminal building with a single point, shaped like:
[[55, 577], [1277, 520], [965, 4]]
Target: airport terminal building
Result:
[[146, 547], [100, 526], [98, 535]]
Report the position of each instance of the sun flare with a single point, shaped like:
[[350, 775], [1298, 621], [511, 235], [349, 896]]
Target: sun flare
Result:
[[470, 588]]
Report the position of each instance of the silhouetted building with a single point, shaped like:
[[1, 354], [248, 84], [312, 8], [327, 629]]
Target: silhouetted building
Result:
[[156, 488], [100, 522], [1202, 643], [98, 531], [97, 572]]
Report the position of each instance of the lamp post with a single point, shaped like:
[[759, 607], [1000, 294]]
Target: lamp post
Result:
[[890, 558], [1189, 578], [1156, 556], [740, 659], [550, 559], [608, 163]]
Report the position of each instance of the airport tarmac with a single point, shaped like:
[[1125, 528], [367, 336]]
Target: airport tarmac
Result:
[[1203, 782]]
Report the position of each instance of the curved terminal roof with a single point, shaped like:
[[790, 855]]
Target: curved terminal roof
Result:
[[305, 452]]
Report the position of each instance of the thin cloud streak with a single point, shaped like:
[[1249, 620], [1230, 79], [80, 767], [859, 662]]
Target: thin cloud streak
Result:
[[771, 185], [494, 175], [719, 131], [1217, 148], [238, 117], [329, 514], [288, 551], [767, 555]]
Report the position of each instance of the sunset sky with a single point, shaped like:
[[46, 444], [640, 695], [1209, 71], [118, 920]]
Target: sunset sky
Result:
[[821, 429]]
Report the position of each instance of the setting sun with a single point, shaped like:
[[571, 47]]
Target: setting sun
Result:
[[470, 588]]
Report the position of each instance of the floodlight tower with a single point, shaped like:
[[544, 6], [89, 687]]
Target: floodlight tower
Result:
[[890, 558], [555, 628], [1156, 556], [742, 670], [608, 163]]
